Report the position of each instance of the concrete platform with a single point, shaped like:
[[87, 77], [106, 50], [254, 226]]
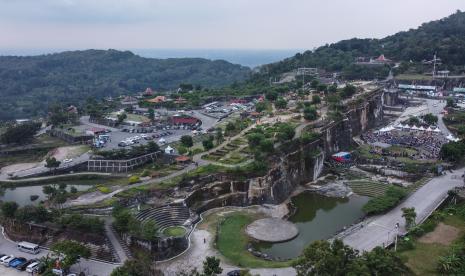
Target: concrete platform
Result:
[[272, 230]]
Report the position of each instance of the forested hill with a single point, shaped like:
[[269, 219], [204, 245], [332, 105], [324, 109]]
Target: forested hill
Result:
[[29, 84], [446, 37]]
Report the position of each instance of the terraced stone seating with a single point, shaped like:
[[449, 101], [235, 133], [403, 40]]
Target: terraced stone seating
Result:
[[166, 216]]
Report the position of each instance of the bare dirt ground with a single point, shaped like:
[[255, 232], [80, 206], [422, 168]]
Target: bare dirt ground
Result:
[[443, 234], [62, 153], [17, 167]]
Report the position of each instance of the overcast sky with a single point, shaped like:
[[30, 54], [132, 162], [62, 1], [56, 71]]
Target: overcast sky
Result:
[[256, 24]]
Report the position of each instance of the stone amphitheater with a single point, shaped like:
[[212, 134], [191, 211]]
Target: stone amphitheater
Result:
[[168, 215]]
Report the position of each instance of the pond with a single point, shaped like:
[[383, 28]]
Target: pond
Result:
[[22, 195], [317, 218]]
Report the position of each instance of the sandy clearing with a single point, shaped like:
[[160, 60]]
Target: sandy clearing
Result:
[[18, 167]]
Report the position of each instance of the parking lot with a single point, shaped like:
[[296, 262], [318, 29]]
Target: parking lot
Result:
[[89, 267], [169, 136]]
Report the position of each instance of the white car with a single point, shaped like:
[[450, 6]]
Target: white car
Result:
[[67, 160], [137, 137], [6, 260], [143, 135], [32, 267]]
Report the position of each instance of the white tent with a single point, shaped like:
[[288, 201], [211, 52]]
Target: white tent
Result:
[[422, 128], [400, 125], [429, 129], [407, 126], [161, 141], [169, 150], [450, 137], [437, 130], [415, 128]]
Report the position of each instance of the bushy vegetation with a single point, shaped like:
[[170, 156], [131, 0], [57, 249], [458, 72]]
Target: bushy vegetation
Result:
[[390, 199], [338, 259], [453, 152], [82, 223], [19, 133]]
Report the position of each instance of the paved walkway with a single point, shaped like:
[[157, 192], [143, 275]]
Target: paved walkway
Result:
[[380, 230]]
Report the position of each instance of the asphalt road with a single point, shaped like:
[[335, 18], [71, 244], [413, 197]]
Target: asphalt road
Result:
[[380, 230]]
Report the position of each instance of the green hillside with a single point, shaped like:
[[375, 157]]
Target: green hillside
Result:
[[446, 37], [29, 84]]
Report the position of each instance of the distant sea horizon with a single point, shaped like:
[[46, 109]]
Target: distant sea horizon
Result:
[[245, 57]]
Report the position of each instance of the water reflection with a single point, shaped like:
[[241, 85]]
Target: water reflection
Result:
[[317, 217]]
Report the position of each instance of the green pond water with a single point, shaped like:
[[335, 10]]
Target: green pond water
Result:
[[317, 218], [22, 195]]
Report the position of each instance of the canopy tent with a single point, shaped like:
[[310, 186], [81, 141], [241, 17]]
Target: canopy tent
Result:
[[169, 150], [429, 129], [450, 137], [387, 129], [422, 128], [415, 128], [341, 156], [437, 130]]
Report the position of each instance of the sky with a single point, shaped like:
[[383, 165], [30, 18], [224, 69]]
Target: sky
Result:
[[207, 24]]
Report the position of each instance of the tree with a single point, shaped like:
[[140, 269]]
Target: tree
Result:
[[324, 258], [332, 88], [208, 143], [430, 119], [271, 96], [321, 87], [348, 91], [121, 117], [230, 128], [451, 103], [219, 136], [316, 99], [211, 266], [410, 215], [285, 132], [310, 113], [151, 114], [266, 146], [255, 139], [281, 103], [52, 163], [187, 141], [9, 209], [453, 151], [260, 106], [123, 219], [142, 265], [149, 230], [70, 252], [49, 190], [384, 262], [19, 133]]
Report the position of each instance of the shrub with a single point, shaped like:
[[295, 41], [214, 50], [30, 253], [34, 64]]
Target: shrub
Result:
[[134, 179], [145, 173], [104, 189], [391, 198]]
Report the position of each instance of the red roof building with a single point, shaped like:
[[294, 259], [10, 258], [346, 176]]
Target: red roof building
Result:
[[177, 120]]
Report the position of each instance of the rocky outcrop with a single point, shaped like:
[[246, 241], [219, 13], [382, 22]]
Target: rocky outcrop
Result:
[[305, 164]]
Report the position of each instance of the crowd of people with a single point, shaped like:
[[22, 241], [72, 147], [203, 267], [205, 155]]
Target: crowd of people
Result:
[[428, 144]]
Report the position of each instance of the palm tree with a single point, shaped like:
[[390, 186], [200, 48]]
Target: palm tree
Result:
[[448, 264]]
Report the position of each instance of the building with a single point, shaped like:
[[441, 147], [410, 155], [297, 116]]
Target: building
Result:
[[184, 120], [148, 92], [157, 99]]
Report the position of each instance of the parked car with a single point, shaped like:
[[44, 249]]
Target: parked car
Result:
[[17, 261], [24, 265], [122, 144], [6, 259], [33, 267], [143, 135], [67, 161]]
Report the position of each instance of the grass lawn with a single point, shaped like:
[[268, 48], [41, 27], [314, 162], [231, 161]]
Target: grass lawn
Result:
[[232, 242], [423, 259], [174, 231]]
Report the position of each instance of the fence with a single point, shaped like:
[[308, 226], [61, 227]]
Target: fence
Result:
[[121, 166]]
